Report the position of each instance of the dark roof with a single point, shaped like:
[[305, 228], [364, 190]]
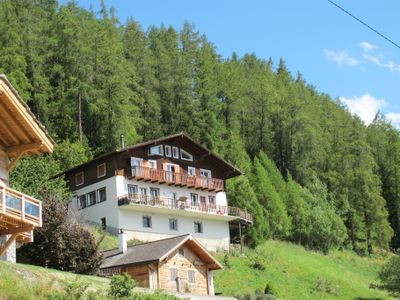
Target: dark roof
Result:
[[154, 252], [185, 140]]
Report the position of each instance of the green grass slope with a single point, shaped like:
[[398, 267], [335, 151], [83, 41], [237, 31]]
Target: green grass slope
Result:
[[296, 273], [26, 282]]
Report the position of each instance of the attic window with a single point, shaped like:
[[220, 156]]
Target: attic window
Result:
[[79, 179], [101, 170], [157, 150], [175, 152], [186, 155], [168, 151]]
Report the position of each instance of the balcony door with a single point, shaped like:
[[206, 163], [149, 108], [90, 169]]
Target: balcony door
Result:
[[171, 169], [136, 164], [203, 203]]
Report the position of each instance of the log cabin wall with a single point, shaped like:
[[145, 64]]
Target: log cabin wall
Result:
[[140, 273], [183, 264]]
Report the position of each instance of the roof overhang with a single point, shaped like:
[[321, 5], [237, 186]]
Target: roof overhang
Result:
[[20, 132]]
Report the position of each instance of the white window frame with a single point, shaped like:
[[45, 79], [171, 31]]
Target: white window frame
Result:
[[197, 199], [171, 221], [186, 153], [79, 202], [140, 160], [161, 152], [88, 198], [192, 169], [105, 170], [168, 151], [175, 152], [83, 178], [98, 192], [133, 186], [152, 161], [205, 170]]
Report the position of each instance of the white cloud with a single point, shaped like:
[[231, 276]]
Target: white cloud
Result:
[[368, 47], [394, 118], [341, 57], [365, 106], [377, 61]]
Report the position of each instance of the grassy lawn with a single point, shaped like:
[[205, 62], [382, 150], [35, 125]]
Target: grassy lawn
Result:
[[299, 274]]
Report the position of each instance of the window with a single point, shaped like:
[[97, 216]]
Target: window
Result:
[[91, 198], [132, 189], [79, 179], [146, 221], [101, 170], [205, 173], [192, 171], [103, 223], [82, 201], [102, 195], [194, 198], [181, 252], [211, 200], [143, 191], [173, 224], [198, 227], [173, 274], [157, 150], [155, 192], [191, 276], [136, 162], [167, 151], [186, 155], [152, 164], [175, 152]]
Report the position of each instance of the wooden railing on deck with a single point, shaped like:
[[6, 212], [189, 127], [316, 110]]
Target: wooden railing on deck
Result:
[[167, 202], [163, 176], [20, 207]]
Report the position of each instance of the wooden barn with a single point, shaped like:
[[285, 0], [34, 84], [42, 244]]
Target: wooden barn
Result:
[[177, 264]]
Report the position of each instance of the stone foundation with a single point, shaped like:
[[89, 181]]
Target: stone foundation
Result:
[[10, 254]]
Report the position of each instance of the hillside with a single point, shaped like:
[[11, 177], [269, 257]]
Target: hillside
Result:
[[299, 274]]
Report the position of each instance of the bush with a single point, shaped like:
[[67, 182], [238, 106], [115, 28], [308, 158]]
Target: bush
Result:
[[75, 290], [121, 286], [270, 289], [61, 243], [226, 261], [257, 261], [390, 276]]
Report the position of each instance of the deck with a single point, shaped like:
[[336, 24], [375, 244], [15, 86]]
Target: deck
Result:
[[19, 213], [177, 179], [169, 203]]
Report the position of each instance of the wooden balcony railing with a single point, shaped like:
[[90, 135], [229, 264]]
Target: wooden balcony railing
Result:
[[167, 202], [19, 207], [162, 176]]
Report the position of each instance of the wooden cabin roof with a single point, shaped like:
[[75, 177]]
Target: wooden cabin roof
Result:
[[20, 131], [157, 251]]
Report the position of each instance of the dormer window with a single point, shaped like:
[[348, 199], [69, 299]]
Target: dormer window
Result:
[[79, 179], [175, 152], [168, 152], [157, 150], [101, 170], [186, 155]]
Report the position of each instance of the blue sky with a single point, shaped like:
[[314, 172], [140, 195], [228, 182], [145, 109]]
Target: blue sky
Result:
[[334, 53]]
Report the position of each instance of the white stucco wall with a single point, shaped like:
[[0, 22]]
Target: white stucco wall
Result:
[[107, 209]]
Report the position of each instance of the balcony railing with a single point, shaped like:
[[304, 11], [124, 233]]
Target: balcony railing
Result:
[[19, 207], [162, 176], [167, 202]]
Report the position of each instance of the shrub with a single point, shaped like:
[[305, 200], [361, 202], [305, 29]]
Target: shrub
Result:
[[390, 275], [270, 289], [257, 261], [226, 261], [121, 286], [75, 290]]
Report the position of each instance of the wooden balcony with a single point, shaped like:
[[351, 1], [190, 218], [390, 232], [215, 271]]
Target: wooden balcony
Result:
[[167, 202], [177, 179], [19, 214]]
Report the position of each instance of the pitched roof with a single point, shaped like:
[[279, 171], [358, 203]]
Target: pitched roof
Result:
[[185, 140], [156, 251], [20, 131]]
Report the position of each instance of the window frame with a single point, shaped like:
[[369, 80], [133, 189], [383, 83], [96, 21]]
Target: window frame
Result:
[[99, 195], [152, 161], [160, 147], [88, 198], [83, 178], [207, 171], [172, 221], [169, 150], [177, 152], [80, 206], [105, 170], [186, 153], [191, 271], [197, 199], [176, 271], [149, 221], [200, 227], [191, 169], [135, 187]]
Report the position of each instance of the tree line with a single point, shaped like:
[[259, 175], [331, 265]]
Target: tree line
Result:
[[313, 173]]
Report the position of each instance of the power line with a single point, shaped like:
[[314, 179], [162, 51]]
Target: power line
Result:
[[365, 24]]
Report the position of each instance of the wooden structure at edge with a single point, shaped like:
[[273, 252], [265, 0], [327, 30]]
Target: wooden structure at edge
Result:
[[21, 134]]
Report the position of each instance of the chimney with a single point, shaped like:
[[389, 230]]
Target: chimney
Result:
[[122, 241], [122, 141]]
